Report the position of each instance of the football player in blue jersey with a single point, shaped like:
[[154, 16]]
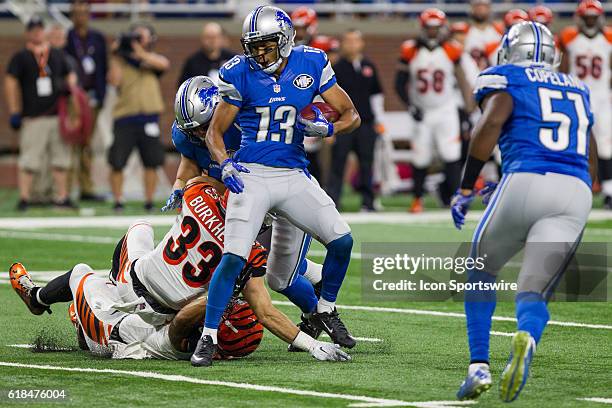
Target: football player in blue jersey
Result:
[[288, 272], [542, 122], [264, 91]]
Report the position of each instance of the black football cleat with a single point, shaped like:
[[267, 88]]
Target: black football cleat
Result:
[[203, 354], [331, 324], [307, 328]]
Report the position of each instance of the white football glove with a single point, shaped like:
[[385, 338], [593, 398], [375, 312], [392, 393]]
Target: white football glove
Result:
[[328, 352], [318, 349]]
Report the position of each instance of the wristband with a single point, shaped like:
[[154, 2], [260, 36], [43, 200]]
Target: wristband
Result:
[[473, 166], [303, 341]]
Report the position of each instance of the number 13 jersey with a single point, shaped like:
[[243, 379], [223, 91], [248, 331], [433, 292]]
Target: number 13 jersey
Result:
[[549, 127], [180, 267], [269, 107]]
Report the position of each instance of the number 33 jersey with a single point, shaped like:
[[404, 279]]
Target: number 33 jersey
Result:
[[550, 124], [180, 267], [269, 107]]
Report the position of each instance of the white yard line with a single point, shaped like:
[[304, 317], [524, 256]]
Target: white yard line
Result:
[[370, 401], [366, 339], [503, 334], [596, 399], [450, 314], [125, 221], [47, 236], [29, 346]]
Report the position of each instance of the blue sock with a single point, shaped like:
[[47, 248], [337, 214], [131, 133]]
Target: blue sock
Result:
[[531, 313], [479, 309], [221, 288], [335, 265], [301, 293]]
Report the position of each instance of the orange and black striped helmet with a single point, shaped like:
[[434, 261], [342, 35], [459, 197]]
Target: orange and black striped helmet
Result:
[[240, 332]]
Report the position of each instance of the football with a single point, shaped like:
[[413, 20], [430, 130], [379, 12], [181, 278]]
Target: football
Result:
[[326, 109]]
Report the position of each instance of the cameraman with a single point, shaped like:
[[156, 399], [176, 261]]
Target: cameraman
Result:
[[135, 71]]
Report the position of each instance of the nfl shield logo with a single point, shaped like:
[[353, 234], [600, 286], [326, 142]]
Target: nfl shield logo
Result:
[[276, 88]]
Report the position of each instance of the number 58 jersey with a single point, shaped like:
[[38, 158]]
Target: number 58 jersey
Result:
[[551, 120], [180, 267], [269, 106]]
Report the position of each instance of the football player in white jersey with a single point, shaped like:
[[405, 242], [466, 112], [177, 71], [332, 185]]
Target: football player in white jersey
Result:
[[586, 54], [482, 32], [429, 69], [151, 285]]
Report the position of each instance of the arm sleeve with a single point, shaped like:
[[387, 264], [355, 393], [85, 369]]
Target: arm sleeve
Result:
[[230, 83], [328, 76], [488, 82]]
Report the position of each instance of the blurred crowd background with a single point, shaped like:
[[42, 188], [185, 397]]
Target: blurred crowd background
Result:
[[89, 89]]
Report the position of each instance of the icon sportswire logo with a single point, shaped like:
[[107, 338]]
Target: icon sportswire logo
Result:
[[303, 81]]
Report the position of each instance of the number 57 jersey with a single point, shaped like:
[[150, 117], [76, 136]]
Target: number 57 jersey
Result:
[[551, 120], [180, 267]]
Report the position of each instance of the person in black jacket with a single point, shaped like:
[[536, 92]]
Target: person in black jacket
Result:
[[209, 58], [88, 48], [357, 75]]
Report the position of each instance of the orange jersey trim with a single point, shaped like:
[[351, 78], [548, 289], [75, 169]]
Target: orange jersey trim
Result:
[[453, 50], [408, 50], [607, 31], [567, 35], [490, 48]]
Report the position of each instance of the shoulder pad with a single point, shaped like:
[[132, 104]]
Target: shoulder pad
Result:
[[453, 49], [408, 50], [567, 35]]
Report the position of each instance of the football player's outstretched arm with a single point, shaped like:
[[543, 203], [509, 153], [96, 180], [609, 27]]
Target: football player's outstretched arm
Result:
[[269, 316], [349, 119], [274, 320], [222, 119]]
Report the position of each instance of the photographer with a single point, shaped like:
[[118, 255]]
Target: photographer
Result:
[[135, 70]]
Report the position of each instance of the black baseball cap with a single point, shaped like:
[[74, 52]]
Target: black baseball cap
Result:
[[34, 22]]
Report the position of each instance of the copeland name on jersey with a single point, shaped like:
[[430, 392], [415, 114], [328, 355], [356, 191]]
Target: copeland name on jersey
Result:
[[269, 107], [196, 150], [550, 124]]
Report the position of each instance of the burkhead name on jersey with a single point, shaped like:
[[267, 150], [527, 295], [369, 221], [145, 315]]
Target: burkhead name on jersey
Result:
[[269, 106]]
